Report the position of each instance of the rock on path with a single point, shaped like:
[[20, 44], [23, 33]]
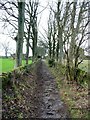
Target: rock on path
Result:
[[46, 98]]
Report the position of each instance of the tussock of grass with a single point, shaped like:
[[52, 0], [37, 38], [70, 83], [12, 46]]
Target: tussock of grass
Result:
[[76, 100]]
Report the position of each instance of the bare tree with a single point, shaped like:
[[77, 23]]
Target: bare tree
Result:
[[6, 47], [71, 31], [31, 33], [73, 39], [9, 17]]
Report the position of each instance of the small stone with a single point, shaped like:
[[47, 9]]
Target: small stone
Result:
[[50, 113]]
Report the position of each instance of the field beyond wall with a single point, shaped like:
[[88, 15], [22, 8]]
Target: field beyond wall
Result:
[[7, 64]]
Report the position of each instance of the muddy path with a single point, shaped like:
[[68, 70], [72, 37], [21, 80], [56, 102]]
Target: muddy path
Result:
[[46, 97]]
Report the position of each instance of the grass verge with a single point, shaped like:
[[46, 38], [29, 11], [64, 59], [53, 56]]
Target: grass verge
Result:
[[76, 100]]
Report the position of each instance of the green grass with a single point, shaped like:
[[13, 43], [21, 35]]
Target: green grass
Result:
[[7, 64], [84, 65]]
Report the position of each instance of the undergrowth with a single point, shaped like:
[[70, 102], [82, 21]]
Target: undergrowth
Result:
[[16, 86], [76, 99]]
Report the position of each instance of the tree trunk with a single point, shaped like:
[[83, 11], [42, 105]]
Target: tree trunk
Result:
[[27, 46], [57, 51], [27, 52], [35, 33], [61, 46], [34, 50], [60, 42], [6, 54], [50, 36], [73, 42], [54, 41], [19, 44], [53, 47], [89, 37], [50, 48]]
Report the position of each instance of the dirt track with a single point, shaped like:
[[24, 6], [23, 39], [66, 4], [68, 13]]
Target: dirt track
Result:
[[46, 98]]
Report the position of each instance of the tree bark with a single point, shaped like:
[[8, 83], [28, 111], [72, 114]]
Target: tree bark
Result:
[[73, 42], [60, 40], [54, 41], [19, 44], [27, 46], [34, 50]]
